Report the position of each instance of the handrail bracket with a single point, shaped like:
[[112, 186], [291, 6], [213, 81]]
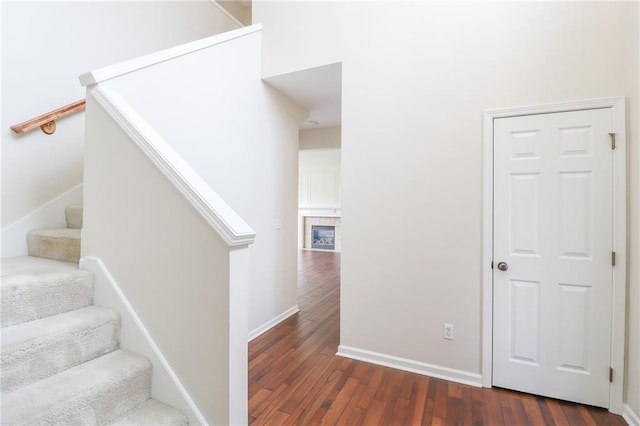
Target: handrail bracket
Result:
[[49, 128]]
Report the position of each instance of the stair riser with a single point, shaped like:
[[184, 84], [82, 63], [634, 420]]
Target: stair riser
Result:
[[43, 357], [73, 215], [64, 249], [153, 412], [49, 296]]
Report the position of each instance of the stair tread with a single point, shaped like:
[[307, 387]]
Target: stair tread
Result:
[[57, 233], [34, 288], [14, 267], [83, 393], [21, 334], [38, 349], [153, 413]]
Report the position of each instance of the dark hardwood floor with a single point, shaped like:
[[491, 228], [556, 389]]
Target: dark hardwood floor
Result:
[[296, 378]]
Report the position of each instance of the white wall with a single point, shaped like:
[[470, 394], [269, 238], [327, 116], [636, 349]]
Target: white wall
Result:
[[416, 78], [241, 136], [45, 46]]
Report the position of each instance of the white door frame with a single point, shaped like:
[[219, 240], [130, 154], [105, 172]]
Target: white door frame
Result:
[[618, 125]]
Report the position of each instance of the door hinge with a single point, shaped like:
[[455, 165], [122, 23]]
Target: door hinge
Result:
[[492, 264], [613, 140], [613, 258], [610, 375]]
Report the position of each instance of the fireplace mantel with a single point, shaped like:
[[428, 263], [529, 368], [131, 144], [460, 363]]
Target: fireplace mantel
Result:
[[320, 211]]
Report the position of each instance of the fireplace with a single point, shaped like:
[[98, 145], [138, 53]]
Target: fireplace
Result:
[[318, 232], [323, 237]]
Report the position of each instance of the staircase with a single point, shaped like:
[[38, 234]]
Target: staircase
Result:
[[61, 361]]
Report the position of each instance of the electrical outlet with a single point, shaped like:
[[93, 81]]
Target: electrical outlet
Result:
[[447, 331]]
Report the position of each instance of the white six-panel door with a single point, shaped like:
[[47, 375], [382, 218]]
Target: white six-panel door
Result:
[[553, 230]]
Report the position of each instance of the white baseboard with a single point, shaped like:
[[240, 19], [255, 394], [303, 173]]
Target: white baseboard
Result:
[[630, 416], [49, 215], [273, 322], [165, 384], [425, 369]]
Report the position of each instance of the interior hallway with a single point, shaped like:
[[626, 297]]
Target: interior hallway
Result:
[[296, 378]]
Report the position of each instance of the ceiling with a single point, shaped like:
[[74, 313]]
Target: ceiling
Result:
[[319, 90]]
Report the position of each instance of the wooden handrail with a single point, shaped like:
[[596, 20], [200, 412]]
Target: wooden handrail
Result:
[[47, 121]]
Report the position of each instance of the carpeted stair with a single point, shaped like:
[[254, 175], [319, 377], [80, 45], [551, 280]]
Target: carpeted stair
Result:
[[58, 243], [60, 360]]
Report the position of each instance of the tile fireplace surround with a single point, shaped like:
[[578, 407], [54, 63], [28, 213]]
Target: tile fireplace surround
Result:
[[310, 221]]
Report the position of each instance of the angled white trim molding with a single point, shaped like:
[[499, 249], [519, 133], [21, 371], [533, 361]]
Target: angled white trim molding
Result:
[[98, 268], [50, 214], [222, 218], [226, 13], [439, 372], [126, 67]]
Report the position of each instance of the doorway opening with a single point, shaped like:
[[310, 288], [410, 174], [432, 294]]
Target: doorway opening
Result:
[[319, 209]]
